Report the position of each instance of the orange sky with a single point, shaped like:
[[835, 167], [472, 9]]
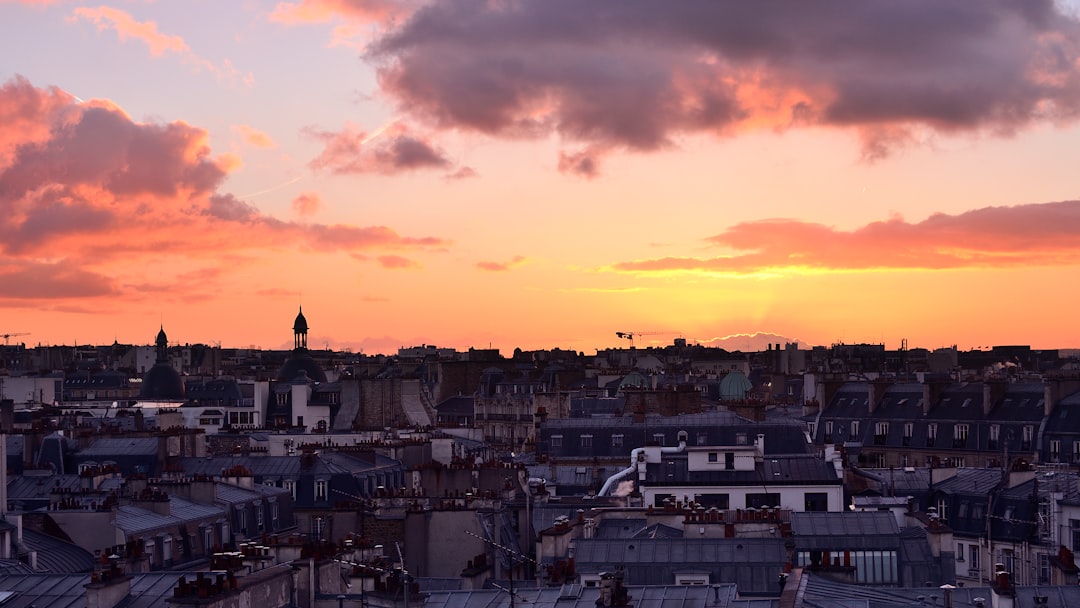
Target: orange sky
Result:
[[540, 174]]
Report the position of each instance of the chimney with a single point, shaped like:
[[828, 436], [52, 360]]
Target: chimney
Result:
[[760, 444], [1003, 595], [107, 587]]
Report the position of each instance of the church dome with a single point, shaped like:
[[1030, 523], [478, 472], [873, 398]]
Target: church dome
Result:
[[299, 362], [735, 386], [162, 382]]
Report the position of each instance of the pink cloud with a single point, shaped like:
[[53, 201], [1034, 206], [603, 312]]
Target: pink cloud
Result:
[[462, 173], [321, 11], [991, 237], [307, 204], [641, 76], [501, 266], [127, 27], [387, 151], [158, 43], [396, 262], [87, 180], [254, 136], [584, 163], [30, 280]]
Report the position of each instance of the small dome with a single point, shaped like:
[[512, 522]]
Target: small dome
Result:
[[162, 382], [301, 362], [300, 324], [735, 386]]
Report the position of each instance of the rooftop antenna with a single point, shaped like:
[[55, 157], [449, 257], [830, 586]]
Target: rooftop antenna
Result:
[[512, 556]]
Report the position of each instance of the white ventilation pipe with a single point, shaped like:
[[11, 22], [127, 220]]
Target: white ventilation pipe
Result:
[[638, 460]]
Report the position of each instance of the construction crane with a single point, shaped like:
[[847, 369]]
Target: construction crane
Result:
[[8, 337], [629, 335]]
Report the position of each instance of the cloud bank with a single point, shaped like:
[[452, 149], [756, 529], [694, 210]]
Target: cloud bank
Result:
[[636, 75], [991, 237], [83, 187]]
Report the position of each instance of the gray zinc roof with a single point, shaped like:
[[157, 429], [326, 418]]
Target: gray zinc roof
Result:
[[120, 446]]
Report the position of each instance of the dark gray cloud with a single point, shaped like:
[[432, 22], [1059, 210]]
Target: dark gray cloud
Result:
[[637, 74]]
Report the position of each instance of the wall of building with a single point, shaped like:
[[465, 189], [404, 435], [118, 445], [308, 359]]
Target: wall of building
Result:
[[437, 543]]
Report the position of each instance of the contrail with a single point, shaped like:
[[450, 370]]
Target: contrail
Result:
[[272, 188]]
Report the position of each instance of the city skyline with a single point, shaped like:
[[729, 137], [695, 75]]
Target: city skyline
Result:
[[539, 174]]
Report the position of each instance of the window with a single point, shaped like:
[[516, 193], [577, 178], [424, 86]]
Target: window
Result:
[[973, 557], [854, 430], [960, 435], [274, 515], [759, 501], [828, 431], [720, 501], [241, 521], [1074, 534], [616, 441], [816, 501], [931, 434], [1044, 569], [962, 510], [714, 457], [1076, 452], [957, 462], [586, 441], [876, 460], [995, 436], [811, 427], [959, 552], [258, 518], [282, 399], [320, 489], [269, 483], [729, 460], [1055, 450], [881, 432], [290, 485], [1025, 443], [299, 421], [703, 439], [909, 430], [942, 509], [556, 442], [740, 438], [208, 540], [658, 439], [1008, 558]]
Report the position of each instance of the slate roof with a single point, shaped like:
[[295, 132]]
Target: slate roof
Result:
[[56, 556], [576, 596], [751, 563], [133, 520], [970, 481], [460, 405], [821, 592], [825, 530], [105, 447]]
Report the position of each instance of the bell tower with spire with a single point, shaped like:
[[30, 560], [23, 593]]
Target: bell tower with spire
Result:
[[300, 329]]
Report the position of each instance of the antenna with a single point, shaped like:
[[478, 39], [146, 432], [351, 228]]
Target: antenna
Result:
[[511, 555]]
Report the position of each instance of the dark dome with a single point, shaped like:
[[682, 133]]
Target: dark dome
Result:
[[300, 324], [300, 361], [162, 382]]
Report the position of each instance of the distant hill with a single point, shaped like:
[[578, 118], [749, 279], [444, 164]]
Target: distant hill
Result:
[[749, 342]]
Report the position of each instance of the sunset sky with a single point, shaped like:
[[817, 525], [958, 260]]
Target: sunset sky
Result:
[[540, 173]]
